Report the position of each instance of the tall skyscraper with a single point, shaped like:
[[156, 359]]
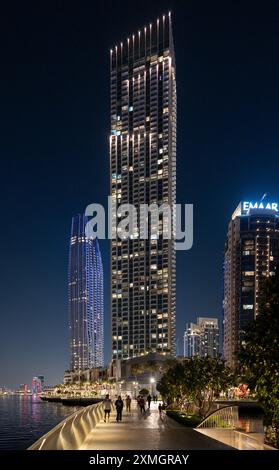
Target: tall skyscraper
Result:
[[143, 171], [202, 338], [192, 340], [251, 256], [86, 303], [209, 336]]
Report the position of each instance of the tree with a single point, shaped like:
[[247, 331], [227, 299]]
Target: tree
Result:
[[197, 381], [172, 385], [259, 355], [151, 365], [137, 369], [209, 377], [144, 391]]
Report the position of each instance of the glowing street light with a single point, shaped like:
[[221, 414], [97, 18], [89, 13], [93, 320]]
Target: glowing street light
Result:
[[152, 381]]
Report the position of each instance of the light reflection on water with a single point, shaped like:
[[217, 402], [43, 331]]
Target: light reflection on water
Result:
[[23, 419]]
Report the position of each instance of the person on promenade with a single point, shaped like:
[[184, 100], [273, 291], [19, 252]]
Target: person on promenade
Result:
[[149, 400], [142, 405], [107, 408], [119, 407], [128, 403], [160, 409]]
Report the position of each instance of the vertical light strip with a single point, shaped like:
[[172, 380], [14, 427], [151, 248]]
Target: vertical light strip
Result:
[[145, 40]]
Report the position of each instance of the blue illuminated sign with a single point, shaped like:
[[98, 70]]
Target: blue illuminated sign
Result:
[[269, 206]]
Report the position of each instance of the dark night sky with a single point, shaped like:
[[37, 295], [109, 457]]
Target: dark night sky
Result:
[[54, 127]]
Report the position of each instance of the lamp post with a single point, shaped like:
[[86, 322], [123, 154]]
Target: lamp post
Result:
[[152, 381], [135, 384]]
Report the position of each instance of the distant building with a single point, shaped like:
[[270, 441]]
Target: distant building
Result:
[[86, 375], [41, 378], [202, 338], [86, 299], [192, 340], [37, 385], [251, 257], [209, 336], [23, 390]]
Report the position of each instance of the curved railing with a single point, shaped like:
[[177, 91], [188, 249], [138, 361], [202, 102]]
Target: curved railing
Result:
[[225, 417], [72, 431]]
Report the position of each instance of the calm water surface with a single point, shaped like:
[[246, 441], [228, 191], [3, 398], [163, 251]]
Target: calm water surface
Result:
[[23, 419]]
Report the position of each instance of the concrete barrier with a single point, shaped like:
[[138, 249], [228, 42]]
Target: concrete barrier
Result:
[[72, 431]]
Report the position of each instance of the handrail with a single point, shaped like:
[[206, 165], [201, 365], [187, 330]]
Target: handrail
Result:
[[72, 431], [225, 417]]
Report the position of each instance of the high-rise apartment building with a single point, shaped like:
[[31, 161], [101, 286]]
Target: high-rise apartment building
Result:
[[209, 336], [143, 171], [192, 340], [202, 338], [86, 303], [251, 256]]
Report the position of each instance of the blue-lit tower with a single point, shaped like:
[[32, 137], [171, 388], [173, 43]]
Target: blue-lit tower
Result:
[[86, 299]]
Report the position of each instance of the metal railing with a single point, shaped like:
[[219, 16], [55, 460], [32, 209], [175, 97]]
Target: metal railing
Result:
[[71, 433], [225, 417]]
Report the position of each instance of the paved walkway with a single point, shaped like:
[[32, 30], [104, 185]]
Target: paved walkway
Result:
[[238, 439], [137, 432]]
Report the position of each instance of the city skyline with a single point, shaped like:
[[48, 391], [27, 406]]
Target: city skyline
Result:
[[54, 148]]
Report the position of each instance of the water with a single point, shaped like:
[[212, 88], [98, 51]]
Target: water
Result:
[[23, 419]]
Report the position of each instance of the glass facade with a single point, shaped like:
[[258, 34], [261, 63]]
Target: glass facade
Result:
[[251, 256], [143, 171], [86, 302], [202, 338]]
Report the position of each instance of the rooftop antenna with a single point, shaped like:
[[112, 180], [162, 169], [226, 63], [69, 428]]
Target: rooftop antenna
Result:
[[263, 197]]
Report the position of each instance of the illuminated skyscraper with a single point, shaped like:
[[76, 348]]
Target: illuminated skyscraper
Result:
[[192, 340], [202, 338], [143, 171], [251, 256], [86, 306]]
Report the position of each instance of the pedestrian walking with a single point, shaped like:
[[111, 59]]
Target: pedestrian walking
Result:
[[107, 408], [119, 407], [149, 400], [160, 409], [142, 405], [128, 403]]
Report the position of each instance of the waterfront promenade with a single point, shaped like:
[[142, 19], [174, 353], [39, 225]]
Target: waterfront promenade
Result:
[[148, 432]]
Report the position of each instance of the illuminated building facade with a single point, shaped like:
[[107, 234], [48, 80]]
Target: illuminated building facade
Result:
[[143, 171], [192, 340], [37, 385], [202, 338], [86, 299], [251, 256]]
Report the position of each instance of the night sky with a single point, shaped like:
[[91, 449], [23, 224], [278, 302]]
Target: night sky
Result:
[[54, 128]]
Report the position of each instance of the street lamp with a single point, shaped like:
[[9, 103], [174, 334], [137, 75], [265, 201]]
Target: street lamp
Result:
[[152, 381], [135, 384]]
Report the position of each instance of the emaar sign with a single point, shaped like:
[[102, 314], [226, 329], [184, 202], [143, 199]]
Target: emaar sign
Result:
[[248, 205]]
